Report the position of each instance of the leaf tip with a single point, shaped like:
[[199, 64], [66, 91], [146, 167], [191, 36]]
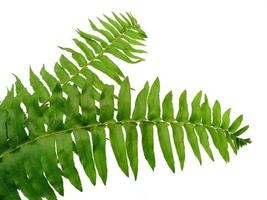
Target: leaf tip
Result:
[[169, 93], [184, 93]]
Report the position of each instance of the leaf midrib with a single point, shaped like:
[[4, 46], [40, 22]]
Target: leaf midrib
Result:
[[105, 124]]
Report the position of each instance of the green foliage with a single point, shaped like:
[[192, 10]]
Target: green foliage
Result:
[[40, 131], [120, 37]]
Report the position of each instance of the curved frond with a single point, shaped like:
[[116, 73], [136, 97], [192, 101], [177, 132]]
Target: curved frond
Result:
[[42, 141], [75, 112], [120, 37]]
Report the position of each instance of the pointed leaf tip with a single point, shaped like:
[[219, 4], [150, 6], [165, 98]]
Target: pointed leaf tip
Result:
[[236, 124]]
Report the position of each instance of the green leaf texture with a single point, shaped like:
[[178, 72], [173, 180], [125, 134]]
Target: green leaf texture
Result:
[[35, 161], [74, 112], [119, 36]]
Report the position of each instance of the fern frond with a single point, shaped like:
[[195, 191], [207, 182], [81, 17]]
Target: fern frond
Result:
[[70, 125], [40, 131], [119, 37]]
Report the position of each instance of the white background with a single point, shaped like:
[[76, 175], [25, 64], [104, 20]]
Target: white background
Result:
[[219, 47]]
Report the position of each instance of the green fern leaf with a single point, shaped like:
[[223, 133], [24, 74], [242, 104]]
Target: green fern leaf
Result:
[[84, 125], [40, 131]]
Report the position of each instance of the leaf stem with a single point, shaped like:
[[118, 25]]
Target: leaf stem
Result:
[[89, 126]]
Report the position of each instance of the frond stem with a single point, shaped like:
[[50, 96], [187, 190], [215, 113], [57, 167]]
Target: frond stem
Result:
[[105, 124]]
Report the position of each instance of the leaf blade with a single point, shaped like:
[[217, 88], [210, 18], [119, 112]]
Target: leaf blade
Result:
[[118, 146], [165, 144]]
